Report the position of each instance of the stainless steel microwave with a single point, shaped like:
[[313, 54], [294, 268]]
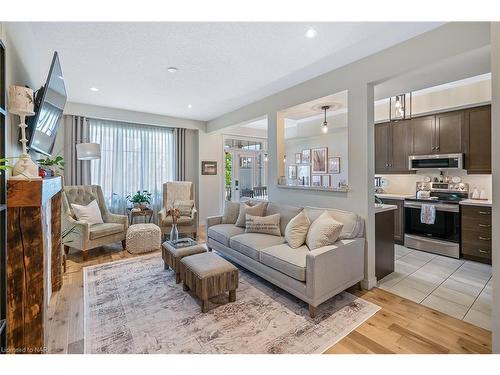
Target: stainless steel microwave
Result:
[[437, 161]]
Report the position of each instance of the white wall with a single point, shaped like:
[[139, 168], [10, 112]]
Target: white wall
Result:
[[358, 78], [495, 73]]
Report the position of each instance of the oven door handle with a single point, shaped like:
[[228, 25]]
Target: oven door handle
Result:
[[439, 207]]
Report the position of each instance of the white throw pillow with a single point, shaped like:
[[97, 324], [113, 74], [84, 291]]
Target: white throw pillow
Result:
[[296, 230], [185, 207], [89, 213], [323, 231], [263, 224]]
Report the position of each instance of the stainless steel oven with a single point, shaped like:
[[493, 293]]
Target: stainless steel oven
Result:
[[442, 237], [438, 161]]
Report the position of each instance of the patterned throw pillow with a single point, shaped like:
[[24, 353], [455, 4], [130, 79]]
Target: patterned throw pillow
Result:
[[323, 231], [185, 207], [231, 211], [263, 224], [257, 210], [296, 230]]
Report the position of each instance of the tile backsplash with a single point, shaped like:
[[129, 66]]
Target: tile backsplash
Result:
[[405, 183]]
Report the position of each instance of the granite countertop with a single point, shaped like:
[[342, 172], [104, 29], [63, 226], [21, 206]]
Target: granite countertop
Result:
[[475, 202], [394, 196], [384, 207]]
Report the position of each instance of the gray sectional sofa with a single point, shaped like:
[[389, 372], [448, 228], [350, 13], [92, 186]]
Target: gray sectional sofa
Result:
[[313, 276]]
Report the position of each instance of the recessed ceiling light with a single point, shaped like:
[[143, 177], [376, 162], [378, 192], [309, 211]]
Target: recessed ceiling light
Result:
[[95, 89], [311, 33], [190, 106], [172, 69]]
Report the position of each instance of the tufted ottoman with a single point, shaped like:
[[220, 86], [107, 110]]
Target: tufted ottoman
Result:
[[143, 238]]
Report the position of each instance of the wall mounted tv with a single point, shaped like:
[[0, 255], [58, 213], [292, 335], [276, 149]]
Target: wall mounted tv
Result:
[[49, 105]]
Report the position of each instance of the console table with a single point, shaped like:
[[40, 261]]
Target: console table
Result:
[[34, 259]]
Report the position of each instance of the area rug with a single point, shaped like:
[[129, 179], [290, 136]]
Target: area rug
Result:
[[134, 306]]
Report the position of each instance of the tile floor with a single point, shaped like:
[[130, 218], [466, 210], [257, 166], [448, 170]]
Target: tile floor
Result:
[[459, 288]]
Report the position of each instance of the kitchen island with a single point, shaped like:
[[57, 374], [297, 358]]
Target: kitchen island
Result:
[[384, 239]]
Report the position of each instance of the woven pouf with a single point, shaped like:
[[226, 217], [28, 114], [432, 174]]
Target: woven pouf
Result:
[[143, 238]]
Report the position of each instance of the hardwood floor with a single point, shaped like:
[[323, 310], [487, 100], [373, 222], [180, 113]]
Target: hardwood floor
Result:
[[401, 326]]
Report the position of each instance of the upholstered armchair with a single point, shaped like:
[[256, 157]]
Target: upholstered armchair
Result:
[[83, 236], [173, 192]]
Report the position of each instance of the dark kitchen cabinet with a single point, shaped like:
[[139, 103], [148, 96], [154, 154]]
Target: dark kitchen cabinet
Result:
[[448, 137], [476, 233], [393, 142], [384, 244], [399, 217], [423, 135], [477, 140]]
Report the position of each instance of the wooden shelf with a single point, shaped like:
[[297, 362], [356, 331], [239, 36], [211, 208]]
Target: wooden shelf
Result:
[[314, 188]]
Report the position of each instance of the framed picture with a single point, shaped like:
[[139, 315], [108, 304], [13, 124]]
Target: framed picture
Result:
[[325, 180], [334, 165], [316, 180], [298, 158], [304, 175], [292, 172], [209, 168], [306, 156], [319, 160]]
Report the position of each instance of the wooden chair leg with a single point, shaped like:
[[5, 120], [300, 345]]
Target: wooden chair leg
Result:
[[124, 244], [84, 255], [312, 311], [204, 305], [232, 295], [177, 278], [185, 287]]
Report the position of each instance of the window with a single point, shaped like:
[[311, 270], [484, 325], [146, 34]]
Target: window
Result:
[[133, 157]]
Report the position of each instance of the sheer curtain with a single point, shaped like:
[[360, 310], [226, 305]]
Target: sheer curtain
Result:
[[133, 157]]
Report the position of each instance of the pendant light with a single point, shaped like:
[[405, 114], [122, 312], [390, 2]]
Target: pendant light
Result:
[[324, 127]]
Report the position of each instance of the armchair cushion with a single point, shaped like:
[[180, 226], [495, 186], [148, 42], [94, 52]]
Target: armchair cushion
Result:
[[185, 206], [104, 230], [89, 213], [183, 220]]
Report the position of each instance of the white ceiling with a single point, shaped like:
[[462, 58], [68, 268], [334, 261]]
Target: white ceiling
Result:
[[222, 66]]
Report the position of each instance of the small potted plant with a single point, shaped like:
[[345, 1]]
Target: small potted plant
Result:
[[176, 214], [52, 166], [140, 199]]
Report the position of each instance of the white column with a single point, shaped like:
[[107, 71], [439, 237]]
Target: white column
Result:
[[495, 118]]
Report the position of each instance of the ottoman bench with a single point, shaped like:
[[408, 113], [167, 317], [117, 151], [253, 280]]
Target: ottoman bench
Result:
[[143, 238], [173, 251], [208, 275]]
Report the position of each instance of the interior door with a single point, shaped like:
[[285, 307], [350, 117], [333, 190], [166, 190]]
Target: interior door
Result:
[[449, 132], [243, 175], [423, 135]]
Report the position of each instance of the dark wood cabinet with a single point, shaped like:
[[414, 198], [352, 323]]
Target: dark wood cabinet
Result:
[[448, 128], [399, 217], [384, 244], [477, 140], [393, 142], [423, 129], [476, 233]]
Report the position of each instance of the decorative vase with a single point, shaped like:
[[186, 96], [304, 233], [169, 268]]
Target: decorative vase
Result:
[[174, 234]]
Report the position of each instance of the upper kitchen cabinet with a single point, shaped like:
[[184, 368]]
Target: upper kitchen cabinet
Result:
[[477, 140], [449, 127], [424, 133], [393, 142]]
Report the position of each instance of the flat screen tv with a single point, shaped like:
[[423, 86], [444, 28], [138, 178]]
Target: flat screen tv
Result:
[[49, 105]]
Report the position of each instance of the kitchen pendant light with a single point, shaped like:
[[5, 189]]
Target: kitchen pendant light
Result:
[[324, 127], [400, 107]]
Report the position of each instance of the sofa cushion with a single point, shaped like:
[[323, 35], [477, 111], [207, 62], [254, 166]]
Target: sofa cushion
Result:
[[104, 230], [223, 232], [296, 230], [231, 211], [182, 220], [257, 210], [283, 258], [263, 224], [324, 231], [353, 223], [286, 212], [250, 244]]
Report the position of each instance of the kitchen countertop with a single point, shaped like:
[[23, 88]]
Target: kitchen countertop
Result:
[[394, 196], [384, 207], [475, 202]]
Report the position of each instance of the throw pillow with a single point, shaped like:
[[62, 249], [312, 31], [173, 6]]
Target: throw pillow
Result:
[[185, 207], [89, 213], [257, 210], [231, 211], [296, 230], [323, 231], [263, 224]]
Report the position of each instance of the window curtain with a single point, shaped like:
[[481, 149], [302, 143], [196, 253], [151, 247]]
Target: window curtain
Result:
[[180, 154], [76, 130], [133, 157]]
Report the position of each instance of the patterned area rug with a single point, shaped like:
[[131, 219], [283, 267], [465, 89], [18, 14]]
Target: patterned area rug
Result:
[[134, 306]]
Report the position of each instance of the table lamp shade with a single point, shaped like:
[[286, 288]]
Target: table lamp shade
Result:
[[88, 151], [21, 100]]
